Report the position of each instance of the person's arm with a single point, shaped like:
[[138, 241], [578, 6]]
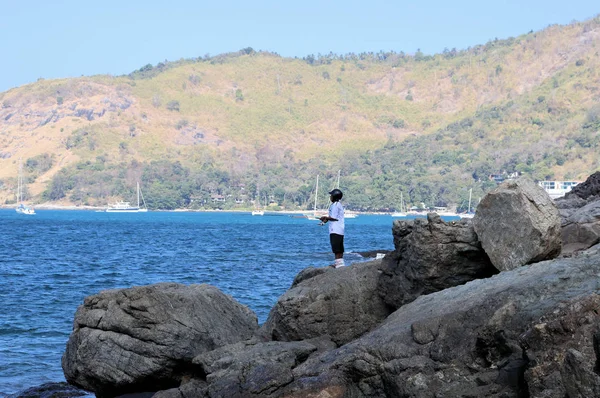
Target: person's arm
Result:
[[327, 218]]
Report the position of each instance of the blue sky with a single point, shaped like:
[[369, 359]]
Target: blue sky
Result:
[[68, 38]]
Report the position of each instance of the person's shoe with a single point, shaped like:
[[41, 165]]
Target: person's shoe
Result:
[[339, 263]]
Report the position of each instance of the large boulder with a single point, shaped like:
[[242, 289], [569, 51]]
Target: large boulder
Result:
[[580, 215], [517, 224], [580, 229], [144, 338], [342, 303], [532, 331], [431, 255]]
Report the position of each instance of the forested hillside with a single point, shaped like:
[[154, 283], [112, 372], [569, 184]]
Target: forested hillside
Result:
[[212, 131]]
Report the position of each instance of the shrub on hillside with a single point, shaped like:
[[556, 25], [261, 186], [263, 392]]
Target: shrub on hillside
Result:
[[39, 164], [181, 124], [239, 96], [592, 118], [173, 105]]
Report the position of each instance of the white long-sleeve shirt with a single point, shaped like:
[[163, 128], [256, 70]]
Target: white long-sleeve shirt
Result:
[[336, 210]]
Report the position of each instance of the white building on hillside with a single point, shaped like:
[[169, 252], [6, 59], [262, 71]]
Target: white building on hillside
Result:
[[557, 189]]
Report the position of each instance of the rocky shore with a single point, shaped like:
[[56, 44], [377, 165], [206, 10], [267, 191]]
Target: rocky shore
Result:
[[504, 305]]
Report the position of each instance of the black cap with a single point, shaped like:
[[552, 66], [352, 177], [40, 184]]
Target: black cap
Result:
[[336, 194]]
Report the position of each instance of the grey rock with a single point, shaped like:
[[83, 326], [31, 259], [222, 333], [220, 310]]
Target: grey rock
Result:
[[52, 390], [431, 255], [342, 303], [195, 388], [144, 338], [373, 253], [562, 346], [242, 369], [245, 369], [580, 216], [590, 188], [495, 337], [87, 113], [517, 224], [579, 376], [308, 273], [581, 228]]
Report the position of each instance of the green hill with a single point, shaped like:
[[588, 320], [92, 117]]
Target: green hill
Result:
[[430, 126]]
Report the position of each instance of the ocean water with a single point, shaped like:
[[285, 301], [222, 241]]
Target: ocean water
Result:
[[51, 261]]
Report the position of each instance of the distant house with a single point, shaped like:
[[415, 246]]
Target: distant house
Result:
[[197, 198], [217, 198], [501, 177], [498, 178], [557, 189]]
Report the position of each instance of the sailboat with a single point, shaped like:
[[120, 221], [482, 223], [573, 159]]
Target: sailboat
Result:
[[257, 211], [469, 213], [402, 212], [315, 214], [125, 207], [22, 208], [348, 214]]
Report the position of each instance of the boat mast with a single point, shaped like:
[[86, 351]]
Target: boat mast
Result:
[[470, 192], [338, 180], [143, 200], [138, 194], [316, 193], [20, 182], [257, 201], [401, 203]]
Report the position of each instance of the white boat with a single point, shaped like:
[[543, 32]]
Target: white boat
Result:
[[22, 208], [350, 215], [444, 212], [126, 207], [398, 214], [402, 212], [257, 211], [469, 213]]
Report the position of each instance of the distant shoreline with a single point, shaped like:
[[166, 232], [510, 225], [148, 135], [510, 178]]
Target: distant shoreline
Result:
[[46, 206]]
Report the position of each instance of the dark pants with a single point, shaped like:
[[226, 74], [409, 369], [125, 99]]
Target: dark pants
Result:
[[337, 243]]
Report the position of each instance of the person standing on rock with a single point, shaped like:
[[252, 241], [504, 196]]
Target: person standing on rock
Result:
[[336, 226]]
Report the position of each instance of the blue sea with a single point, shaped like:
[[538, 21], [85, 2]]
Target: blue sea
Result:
[[51, 261]]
